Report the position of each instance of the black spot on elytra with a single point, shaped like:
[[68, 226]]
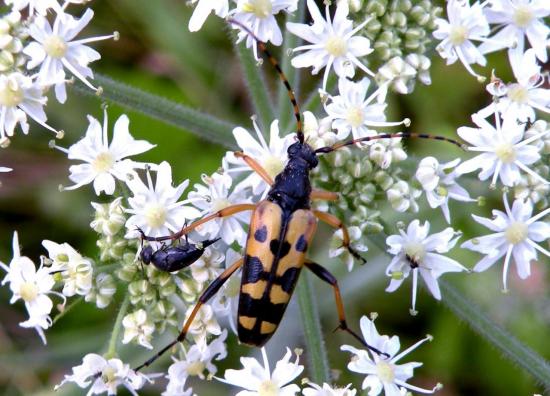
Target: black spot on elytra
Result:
[[288, 280], [281, 249], [261, 234], [254, 270], [301, 244]]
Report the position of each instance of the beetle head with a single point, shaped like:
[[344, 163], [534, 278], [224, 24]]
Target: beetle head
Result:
[[304, 152]]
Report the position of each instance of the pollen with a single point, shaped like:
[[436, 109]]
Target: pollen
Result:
[[355, 116], [458, 35], [103, 162], [55, 47], [196, 368], [523, 16], [506, 153], [155, 215], [336, 46], [416, 251], [268, 388], [517, 93], [28, 291], [273, 165], [385, 371], [11, 94], [220, 204], [261, 8], [516, 232]]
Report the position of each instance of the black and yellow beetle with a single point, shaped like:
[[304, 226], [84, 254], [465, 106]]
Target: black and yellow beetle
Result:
[[281, 229]]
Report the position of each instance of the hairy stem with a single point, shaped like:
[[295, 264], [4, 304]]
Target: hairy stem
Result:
[[315, 344], [162, 109], [511, 347], [111, 351]]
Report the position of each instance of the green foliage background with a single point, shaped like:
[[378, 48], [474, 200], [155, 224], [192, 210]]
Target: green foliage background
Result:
[[157, 54]]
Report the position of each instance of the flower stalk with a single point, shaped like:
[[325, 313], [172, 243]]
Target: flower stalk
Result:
[[111, 351], [315, 344], [203, 125]]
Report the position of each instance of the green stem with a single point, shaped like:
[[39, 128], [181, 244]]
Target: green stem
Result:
[[510, 346], [257, 88], [290, 41], [67, 309], [479, 321], [111, 351], [162, 109], [315, 344]]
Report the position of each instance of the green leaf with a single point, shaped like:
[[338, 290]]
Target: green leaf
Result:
[[176, 114]]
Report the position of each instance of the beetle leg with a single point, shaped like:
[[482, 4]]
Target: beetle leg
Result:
[[256, 167], [337, 223], [225, 212], [326, 276], [324, 195], [206, 295]]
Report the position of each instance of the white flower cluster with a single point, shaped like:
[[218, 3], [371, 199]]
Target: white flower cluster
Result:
[[64, 267], [38, 52], [513, 23]]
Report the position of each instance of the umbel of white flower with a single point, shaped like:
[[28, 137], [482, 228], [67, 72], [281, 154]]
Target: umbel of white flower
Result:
[[258, 379], [55, 49], [331, 43], [33, 287], [103, 162], [384, 373], [20, 96], [515, 235], [417, 252]]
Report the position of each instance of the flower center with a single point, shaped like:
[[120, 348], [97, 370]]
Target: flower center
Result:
[[28, 291], [108, 375], [155, 216], [355, 116], [458, 35], [523, 16], [55, 47], [416, 251], [103, 162], [273, 165], [516, 232], [260, 8], [506, 153], [11, 94], [385, 372], [195, 368], [268, 388], [517, 93], [336, 46], [220, 204]]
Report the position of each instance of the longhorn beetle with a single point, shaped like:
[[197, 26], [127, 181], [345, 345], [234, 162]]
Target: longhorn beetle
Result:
[[175, 257], [281, 229]]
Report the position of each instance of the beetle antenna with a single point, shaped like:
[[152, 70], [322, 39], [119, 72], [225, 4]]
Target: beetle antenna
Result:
[[407, 135], [262, 46]]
